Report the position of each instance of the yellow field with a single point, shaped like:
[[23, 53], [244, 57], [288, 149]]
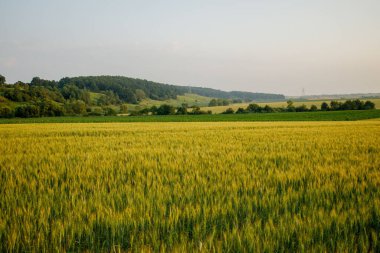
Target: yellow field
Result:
[[220, 109], [254, 187]]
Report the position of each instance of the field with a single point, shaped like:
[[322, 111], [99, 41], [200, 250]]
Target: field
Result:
[[208, 187], [188, 98], [289, 116], [308, 103]]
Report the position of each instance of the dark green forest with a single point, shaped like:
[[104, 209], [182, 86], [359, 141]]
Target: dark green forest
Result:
[[72, 96]]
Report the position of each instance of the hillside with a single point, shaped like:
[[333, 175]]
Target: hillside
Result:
[[132, 90]]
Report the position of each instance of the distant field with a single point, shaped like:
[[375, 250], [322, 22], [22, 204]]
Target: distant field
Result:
[[188, 98], [220, 109], [190, 187], [287, 116]]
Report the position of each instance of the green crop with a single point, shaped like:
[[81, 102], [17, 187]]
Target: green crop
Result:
[[209, 187]]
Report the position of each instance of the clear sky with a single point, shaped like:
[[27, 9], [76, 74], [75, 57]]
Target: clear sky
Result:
[[277, 46]]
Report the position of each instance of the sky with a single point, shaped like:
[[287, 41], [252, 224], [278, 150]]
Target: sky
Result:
[[274, 46]]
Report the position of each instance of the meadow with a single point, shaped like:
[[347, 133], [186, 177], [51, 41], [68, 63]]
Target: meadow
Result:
[[286, 116], [207, 187]]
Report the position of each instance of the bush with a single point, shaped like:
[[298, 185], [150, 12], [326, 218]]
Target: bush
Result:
[[240, 110], [6, 112], [165, 110], [301, 108], [313, 108], [109, 111], [27, 111], [228, 111], [324, 106], [76, 107]]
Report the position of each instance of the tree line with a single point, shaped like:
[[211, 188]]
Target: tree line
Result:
[[166, 109], [334, 106]]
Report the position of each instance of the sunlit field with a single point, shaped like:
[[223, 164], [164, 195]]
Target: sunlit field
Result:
[[215, 186]]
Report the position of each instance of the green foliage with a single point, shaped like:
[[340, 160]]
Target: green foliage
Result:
[[324, 106], [2, 80], [368, 105], [27, 111], [50, 108], [301, 108], [313, 108], [290, 107], [228, 111], [140, 94], [241, 110], [253, 108], [6, 112], [182, 110], [348, 105], [268, 109], [218, 102], [76, 107], [109, 111], [130, 89], [165, 110]]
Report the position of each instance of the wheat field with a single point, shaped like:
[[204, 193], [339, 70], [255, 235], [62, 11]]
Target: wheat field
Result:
[[177, 187]]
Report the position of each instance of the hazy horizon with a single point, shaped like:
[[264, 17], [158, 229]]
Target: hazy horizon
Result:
[[323, 47]]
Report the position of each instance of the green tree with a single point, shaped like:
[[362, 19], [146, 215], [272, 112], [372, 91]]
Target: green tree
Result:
[[313, 108], [76, 107], [290, 107], [109, 111], [335, 105], [228, 111], [6, 112], [369, 105], [301, 108], [140, 94], [2, 79], [240, 110], [27, 111], [253, 108], [324, 106], [267, 108], [182, 109], [213, 102], [165, 110]]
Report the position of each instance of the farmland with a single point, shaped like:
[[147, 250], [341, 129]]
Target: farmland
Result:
[[215, 186], [288, 116]]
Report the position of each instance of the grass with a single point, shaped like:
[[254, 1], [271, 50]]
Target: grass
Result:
[[288, 116], [186, 187], [308, 103]]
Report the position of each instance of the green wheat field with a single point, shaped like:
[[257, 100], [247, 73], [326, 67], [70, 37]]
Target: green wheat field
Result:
[[190, 187]]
